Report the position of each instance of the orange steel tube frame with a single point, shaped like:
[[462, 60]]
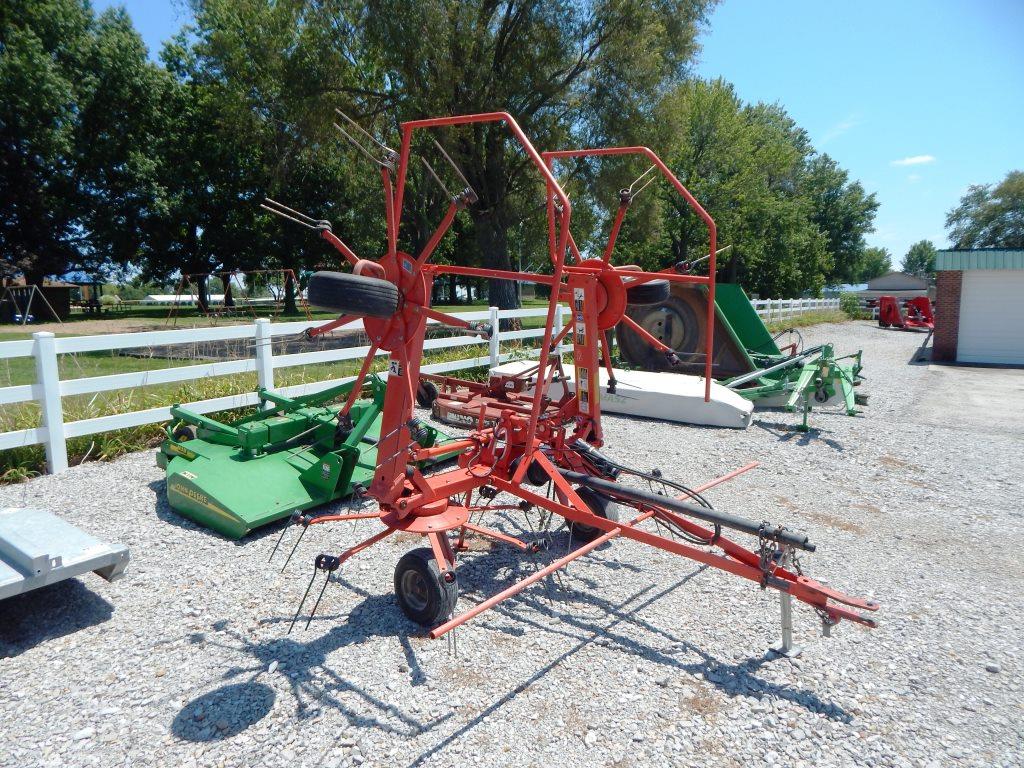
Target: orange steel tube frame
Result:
[[411, 501], [566, 154]]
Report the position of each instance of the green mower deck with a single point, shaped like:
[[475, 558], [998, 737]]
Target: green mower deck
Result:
[[290, 456]]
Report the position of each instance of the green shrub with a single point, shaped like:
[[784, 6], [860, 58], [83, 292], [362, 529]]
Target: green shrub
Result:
[[849, 303]]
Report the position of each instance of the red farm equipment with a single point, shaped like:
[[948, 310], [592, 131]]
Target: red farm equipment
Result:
[[915, 313], [532, 444]]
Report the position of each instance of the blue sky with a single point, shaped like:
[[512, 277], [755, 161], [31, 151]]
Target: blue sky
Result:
[[916, 98]]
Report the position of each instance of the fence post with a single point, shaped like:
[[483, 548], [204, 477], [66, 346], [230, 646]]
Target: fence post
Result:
[[48, 378], [557, 329], [495, 341], [264, 356]]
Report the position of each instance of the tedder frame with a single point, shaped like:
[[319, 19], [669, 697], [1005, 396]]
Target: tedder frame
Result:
[[529, 448]]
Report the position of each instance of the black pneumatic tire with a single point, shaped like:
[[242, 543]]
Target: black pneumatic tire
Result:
[[426, 394], [653, 292], [352, 294], [184, 432], [601, 507], [423, 594]]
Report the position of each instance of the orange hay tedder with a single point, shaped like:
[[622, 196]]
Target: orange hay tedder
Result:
[[528, 448]]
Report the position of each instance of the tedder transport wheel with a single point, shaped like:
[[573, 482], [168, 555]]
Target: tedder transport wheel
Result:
[[423, 594], [352, 294], [601, 507], [653, 292], [426, 394], [184, 432]]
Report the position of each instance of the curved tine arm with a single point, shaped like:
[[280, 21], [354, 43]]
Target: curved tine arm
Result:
[[485, 117], [465, 181], [380, 145], [360, 147], [437, 178]]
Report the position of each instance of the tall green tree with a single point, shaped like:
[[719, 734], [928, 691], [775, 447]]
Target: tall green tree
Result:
[[990, 216], [875, 262], [844, 211], [77, 106], [920, 259], [570, 72]]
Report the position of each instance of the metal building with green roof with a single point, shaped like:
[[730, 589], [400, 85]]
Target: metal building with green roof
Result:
[[979, 306]]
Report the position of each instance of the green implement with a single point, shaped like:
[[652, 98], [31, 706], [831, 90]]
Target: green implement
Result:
[[747, 357], [292, 455]]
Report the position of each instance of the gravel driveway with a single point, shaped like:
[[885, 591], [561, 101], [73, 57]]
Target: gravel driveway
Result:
[[633, 658]]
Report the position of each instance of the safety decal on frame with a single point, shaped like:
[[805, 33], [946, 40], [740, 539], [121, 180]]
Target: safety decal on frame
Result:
[[394, 368]]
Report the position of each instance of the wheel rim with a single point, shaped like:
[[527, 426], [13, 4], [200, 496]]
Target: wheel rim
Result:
[[415, 590]]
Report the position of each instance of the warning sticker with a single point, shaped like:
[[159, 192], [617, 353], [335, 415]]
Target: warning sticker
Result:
[[394, 368]]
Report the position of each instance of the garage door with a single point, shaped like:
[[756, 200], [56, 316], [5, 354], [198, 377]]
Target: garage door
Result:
[[992, 317]]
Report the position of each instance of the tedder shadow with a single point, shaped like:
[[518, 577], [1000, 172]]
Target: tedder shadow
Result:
[[315, 684], [786, 434]]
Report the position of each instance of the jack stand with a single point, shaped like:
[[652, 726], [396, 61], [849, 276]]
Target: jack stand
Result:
[[786, 647]]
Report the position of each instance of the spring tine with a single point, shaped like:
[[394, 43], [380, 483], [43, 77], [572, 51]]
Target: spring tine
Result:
[[302, 602], [436, 177], [359, 146], [304, 529], [286, 216], [292, 211], [278, 544], [318, 599], [363, 131], [454, 166], [639, 179]]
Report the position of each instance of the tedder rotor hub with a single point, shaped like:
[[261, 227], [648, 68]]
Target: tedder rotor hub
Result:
[[610, 294], [392, 332]]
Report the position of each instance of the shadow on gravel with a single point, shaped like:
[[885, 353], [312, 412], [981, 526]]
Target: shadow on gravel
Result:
[[315, 684], [787, 434], [48, 612], [224, 712], [733, 679]]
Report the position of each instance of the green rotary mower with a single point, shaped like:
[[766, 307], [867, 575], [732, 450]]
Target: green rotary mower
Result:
[[291, 455]]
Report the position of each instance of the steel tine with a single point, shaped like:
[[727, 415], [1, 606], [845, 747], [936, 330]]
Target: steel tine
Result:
[[304, 529], [358, 146], [639, 179], [302, 602], [292, 211], [278, 544], [363, 131], [454, 166], [318, 599], [286, 216], [436, 177]]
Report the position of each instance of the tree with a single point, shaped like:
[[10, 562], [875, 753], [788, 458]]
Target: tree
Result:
[[569, 72], [843, 211], [920, 259], [990, 216], [77, 97], [875, 262]]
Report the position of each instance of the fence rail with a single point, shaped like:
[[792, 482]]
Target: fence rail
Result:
[[771, 310], [49, 389]]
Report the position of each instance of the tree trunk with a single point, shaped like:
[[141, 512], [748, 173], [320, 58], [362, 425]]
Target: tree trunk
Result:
[[492, 239], [290, 307], [225, 279], [202, 295]]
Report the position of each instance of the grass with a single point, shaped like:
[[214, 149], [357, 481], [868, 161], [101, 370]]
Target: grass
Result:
[[808, 318], [19, 464]]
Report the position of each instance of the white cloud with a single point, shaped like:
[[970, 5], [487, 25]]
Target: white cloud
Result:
[[914, 160], [840, 128], [914, 178]]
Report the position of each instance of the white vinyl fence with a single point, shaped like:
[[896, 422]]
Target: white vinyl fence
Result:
[[48, 389], [771, 310]]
